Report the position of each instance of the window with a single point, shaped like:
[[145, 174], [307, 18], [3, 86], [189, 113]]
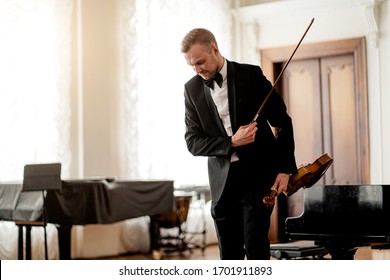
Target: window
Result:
[[34, 84]]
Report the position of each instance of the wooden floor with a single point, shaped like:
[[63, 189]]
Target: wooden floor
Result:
[[212, 253]]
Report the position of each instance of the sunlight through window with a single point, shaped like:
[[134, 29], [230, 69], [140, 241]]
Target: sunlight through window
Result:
[[34, 85], [154, 84]]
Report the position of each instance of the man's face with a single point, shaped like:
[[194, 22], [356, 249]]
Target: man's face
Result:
[[204, 62]]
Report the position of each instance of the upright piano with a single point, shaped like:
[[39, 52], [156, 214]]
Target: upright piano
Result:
[[82, 202], [342, 218]]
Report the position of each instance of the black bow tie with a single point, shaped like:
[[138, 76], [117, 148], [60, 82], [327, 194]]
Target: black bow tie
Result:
[[217, 78]]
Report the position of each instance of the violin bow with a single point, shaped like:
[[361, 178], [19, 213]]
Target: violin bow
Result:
[[281, 73]]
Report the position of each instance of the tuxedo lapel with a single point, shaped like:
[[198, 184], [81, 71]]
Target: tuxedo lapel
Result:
[[232, 95]]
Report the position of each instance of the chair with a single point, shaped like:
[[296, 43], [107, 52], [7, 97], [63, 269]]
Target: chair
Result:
[[196, 236], [170, 229], [37, 177]]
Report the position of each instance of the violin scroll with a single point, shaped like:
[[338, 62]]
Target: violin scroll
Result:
[[270, 200], [306, 177]]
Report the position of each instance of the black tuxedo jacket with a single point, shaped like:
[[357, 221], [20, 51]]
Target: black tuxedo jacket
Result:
[[205, 135]]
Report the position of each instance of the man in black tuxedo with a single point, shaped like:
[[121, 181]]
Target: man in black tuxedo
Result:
[[245, 159]]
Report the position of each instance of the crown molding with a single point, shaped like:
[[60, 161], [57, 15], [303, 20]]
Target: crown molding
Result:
[[291, 9]]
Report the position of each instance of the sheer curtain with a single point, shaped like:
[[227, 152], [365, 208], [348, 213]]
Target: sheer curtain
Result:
[[154, 73], [34, 84]]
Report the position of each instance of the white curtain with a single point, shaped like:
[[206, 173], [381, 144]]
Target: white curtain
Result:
[[154, 73], [35, 51]]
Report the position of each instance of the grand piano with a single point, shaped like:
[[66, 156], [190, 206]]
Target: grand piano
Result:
[[82, 202], [342, 218]]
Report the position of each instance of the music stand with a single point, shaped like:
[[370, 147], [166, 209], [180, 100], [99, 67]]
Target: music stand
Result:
[[41, 177], [38, 177]]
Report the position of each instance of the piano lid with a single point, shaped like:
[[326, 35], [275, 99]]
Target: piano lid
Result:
[[358, 212]]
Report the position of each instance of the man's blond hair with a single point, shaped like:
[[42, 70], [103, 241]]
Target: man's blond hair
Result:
[[198, 36]]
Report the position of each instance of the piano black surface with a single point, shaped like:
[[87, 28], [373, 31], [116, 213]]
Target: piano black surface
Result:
[[82, 202], [342, 218]]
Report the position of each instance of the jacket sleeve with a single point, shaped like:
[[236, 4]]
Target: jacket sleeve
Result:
[[202, 138], [277, 116]]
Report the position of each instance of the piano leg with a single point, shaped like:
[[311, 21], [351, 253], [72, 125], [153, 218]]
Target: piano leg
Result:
[[64, 238], [342, 253], [339, 251], [154, 231]]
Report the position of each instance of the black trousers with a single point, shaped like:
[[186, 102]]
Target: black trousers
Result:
[[241, 219]]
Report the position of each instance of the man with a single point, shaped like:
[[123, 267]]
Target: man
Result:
[[245, 159]]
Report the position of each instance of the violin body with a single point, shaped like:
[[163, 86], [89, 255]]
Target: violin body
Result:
[[306, 177]]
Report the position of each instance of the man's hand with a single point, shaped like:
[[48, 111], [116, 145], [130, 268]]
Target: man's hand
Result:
[[281, 183], [244, 135]]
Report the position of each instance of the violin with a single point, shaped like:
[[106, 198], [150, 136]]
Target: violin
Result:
[[306, 177]]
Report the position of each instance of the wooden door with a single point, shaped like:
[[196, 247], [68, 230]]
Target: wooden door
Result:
[[341, 120]]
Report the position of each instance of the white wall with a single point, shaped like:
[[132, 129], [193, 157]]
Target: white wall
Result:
[[282, 23]]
